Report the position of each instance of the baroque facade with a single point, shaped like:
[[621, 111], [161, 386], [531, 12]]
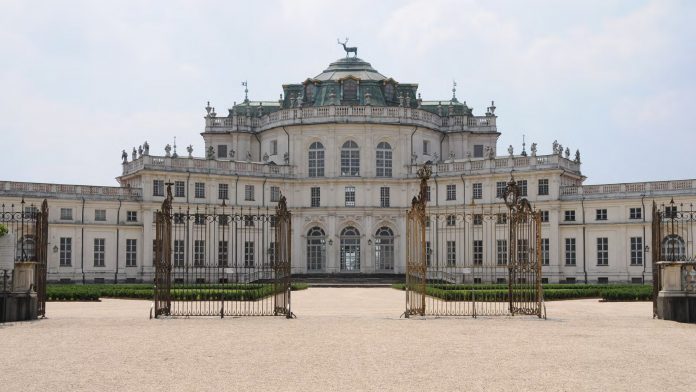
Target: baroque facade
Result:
[[344, 148]]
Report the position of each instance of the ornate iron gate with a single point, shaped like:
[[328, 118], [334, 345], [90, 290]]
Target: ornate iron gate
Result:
[[471, 261], [222, 261], [29, 227]]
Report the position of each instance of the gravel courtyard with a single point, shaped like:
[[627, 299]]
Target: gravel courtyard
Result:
[[347, 339]]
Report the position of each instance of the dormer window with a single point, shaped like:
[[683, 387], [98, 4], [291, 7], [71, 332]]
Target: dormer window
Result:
[[389, 92], [350, 90], [309, 92]]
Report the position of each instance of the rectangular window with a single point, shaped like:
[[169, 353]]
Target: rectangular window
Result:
[[222, 253], [179, 189], [131, 252], [501, 218], [544, 216], [428, 253], [478, 252], [545, 253], [274, 147], [350, 196], [178, 253], [157, 187], [427, 193], [451, 253], [249, 192], [603, 280], [198, 219], [478, 190], [478, 219], [222, 151], [248, 253], [569, 215], [637, 280], [426, 147], [65, 251], [199, 190], [500, 187], [636, 250], [248, 220], [315, 196], [502, 252], [99, 250], [522, 250], [131, 216], [451, 192], [570, 280], [275, 194], [478, 150], [66, 214], [100, 215], [223, 191], [543, 187], [601, 214], [272, 250], [570, 251], [670, 212], [523, 187], [198, 253], [223, 220], [384, 196], [451, 220], [635, 213], [602, 251]]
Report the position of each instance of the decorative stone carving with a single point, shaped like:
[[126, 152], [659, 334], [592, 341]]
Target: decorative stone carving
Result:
[[560, 150], [511, 151], [567, 153], [232, 152], [368, 98], [124, 156], [286, 158], [135, 154], [146, 148], [140, 150], [210, 153], [555, 146], [265, 157], [167, 151], [190, 150], [451, 155], [534, 149], [248, 156], [577, 156]]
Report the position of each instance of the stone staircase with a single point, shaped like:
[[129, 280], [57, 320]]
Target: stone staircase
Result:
[[348, 279]]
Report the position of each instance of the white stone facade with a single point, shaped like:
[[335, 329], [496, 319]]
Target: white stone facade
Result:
[[272, 144]]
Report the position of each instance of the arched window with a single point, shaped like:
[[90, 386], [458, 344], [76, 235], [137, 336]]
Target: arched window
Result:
[[350, 159], [316, 160], [316, 249], [384, 249], [384, 160], [350, 249], [309, 92], [673, 248], [389, 92]]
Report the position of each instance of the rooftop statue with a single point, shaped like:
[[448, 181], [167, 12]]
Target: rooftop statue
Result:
[[348, 49]]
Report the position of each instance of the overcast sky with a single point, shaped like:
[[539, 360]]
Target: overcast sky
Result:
[[82, 80]]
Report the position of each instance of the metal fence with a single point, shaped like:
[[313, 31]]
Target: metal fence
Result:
[[27, 227], [222, 261], [673, 242], [473, 261]]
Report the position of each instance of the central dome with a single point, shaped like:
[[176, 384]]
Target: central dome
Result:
[[350, 66]]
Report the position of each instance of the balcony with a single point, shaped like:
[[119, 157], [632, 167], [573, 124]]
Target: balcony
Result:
[[209, 166], [350, 114]]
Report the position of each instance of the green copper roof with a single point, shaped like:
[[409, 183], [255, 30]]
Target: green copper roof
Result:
[[349, 66]]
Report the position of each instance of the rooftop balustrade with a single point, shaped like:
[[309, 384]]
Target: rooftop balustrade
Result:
[[210, 166], [501, 165], [607, 190], [251, 122], [11, 188]]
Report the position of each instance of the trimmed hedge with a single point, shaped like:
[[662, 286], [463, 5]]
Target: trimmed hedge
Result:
[[499, 292], [230, 292]]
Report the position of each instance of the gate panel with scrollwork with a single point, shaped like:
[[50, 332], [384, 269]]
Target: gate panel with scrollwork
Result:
[[222, 261], [473, 261]]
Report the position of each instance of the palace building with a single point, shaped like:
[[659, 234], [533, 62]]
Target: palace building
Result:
[[343, 147]]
